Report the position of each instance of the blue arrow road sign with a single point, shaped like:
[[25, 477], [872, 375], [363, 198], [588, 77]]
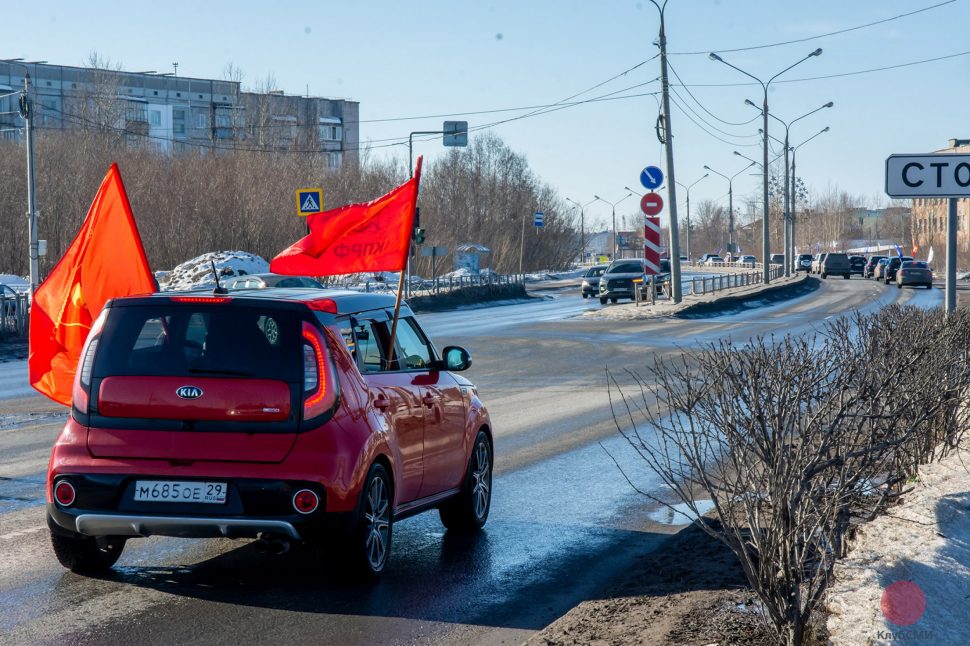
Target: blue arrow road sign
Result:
[[539, 219], [652, 178]]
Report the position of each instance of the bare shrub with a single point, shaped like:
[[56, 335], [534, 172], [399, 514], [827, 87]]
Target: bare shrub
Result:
[[795, 440]]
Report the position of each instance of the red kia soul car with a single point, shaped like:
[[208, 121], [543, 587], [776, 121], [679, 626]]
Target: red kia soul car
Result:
[[276, 414]]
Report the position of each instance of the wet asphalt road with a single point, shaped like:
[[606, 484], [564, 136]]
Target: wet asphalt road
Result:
[[564, 522]]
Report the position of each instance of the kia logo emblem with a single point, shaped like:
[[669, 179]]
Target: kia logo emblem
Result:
[[189, 392]]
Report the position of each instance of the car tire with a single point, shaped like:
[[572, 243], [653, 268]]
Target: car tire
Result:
[[87, 554], [468, 511], [614, 300], [847, 276], [602, 300], [370, 544], [585, 295], [929, 285], [824, 275], [899, 285]]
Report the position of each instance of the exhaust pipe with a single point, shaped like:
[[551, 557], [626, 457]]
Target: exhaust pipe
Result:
[[279, 546], [262, 546]]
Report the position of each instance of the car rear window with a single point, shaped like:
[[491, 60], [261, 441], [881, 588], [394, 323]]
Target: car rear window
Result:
[[626, 268], [215, 340], [915, 264], [837, 256]]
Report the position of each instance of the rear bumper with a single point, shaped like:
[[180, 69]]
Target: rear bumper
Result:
[[182, 526], [105, 506]]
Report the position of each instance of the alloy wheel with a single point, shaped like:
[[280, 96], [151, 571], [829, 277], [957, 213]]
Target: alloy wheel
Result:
[[376, 513], [482, 473]]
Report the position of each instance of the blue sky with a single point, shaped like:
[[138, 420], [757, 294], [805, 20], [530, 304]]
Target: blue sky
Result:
[[419, 58]]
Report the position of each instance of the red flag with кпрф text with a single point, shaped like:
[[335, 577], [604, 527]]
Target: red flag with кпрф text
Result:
[[375, 236]]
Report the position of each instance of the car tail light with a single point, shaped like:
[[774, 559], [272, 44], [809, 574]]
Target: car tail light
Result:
[[81, 394], [64, 493], [319, 386], [207, 300], [323, 305], [306, 501]]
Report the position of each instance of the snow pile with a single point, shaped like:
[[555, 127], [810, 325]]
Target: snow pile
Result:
[[924, 540], [197, 273]]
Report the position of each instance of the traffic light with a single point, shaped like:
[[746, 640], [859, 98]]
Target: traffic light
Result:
[[418, 235]]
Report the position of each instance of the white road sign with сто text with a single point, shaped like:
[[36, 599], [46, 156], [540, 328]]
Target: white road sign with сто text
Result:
[[933, 175]]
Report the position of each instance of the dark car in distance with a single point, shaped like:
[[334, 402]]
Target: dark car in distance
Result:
[[870, 268], [889, 271], [857, 265]]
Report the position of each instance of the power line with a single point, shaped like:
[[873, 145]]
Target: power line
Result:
[[841, 74], [691, 94], [817, 36], [708, 123], [95, 125], [721, 139], [477, 112]]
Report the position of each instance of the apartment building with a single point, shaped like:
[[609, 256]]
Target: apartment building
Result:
[[176, 113], [930, 215]]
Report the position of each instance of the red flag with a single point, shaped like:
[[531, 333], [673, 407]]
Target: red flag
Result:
[[375, 236], [105, 260]]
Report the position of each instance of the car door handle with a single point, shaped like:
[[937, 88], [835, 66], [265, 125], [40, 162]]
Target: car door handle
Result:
[[429, 400], [382, 403]]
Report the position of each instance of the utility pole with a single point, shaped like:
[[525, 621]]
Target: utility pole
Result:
[[522, 245], [27, 112], [671, 180]]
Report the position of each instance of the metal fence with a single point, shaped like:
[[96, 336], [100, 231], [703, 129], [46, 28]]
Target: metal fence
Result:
[[14, 318], [700, 285], [445, 284]]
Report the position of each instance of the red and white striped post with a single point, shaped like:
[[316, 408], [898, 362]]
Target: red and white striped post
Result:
[[651, 244]]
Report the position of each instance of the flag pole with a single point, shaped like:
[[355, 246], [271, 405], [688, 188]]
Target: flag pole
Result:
[[400, 285]]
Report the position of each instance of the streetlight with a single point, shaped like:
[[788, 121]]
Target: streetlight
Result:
[[793, 151], [687, 188], [789, 240], [582, 227], [766, 245], [613, 206], [730, 201]]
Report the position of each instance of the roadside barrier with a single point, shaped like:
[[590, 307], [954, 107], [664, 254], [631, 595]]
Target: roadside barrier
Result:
[[701, 285], [445, 285], [14, 318]]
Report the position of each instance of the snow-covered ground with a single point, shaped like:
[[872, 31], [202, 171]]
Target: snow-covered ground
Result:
[[926, 541]]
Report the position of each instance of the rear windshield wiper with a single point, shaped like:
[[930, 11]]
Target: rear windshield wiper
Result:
[[237, 373]]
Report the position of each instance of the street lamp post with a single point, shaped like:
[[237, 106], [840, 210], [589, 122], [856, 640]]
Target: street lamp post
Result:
[[582, 227], [687, 189], [789, 196], [613, 206], [731, 201], [793, 192], [766, 245]]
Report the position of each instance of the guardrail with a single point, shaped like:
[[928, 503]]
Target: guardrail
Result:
[[14, 315], [446, 284], [701, 285]]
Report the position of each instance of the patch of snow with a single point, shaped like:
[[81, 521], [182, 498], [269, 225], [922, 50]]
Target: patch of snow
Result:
[[197, 272], [680, 513], [926, 540]]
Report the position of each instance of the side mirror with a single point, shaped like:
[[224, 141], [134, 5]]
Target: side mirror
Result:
[[456, 359]]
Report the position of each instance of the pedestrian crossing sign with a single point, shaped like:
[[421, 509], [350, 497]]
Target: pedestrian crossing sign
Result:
[[309, 201]]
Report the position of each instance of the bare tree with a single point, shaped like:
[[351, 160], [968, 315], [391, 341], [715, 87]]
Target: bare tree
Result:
[[794, 441]]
